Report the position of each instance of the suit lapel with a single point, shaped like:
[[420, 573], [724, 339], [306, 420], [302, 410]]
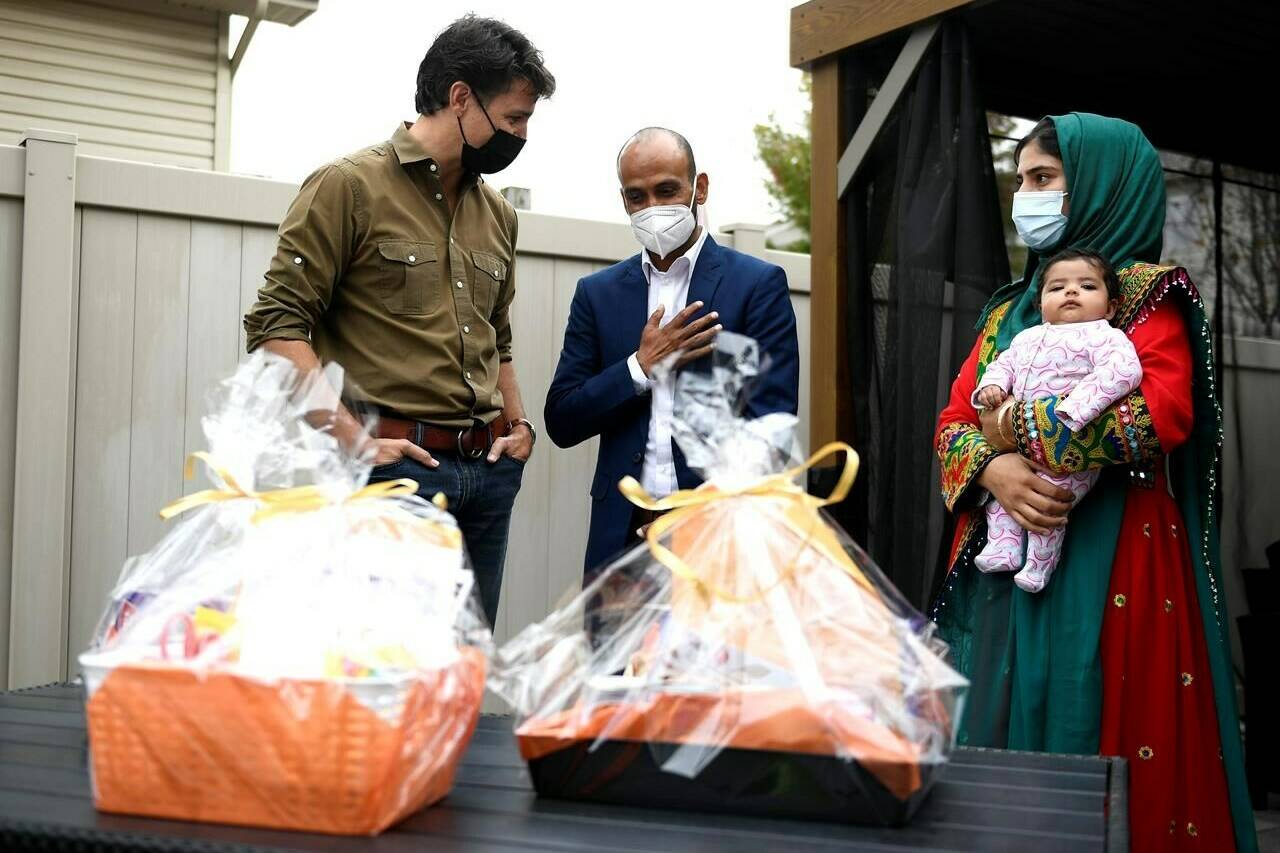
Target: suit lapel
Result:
[[632, 306], [706, 274]]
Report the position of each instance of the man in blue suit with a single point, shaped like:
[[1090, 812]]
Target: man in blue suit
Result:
[[669, 300]]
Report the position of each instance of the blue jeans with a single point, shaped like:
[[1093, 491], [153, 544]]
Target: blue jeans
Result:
[[480, 495]]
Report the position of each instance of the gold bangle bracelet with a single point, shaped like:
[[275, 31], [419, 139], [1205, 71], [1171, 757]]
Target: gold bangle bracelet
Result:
[[1004, 409]]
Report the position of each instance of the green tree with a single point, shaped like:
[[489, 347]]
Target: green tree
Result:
[[786, 154]]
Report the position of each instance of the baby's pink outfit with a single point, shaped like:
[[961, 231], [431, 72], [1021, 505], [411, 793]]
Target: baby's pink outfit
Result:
[[1091, 365]]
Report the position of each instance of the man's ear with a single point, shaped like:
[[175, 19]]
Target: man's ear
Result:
[[459, 96]]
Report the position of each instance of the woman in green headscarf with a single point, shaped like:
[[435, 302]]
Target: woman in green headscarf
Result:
[[1125, 652]]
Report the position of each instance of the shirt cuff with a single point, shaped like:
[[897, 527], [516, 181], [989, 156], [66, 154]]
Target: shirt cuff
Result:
[[643, 383], [1067, 415]]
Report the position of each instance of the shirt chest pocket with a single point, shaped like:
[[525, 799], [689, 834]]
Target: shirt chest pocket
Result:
[[410, 277], [489, 276]]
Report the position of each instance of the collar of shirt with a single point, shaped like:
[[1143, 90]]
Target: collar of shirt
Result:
[[408, 150], [406, 147], [678, 267]]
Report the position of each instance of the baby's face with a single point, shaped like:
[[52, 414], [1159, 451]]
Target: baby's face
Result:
[[1074, 292]]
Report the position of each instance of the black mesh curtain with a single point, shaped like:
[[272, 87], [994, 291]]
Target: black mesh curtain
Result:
[[926, 249]]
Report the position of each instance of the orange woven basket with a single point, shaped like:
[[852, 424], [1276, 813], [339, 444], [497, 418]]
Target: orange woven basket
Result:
[[315, 755]]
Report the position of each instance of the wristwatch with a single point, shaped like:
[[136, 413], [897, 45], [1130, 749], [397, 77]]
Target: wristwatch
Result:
[[533, 433]]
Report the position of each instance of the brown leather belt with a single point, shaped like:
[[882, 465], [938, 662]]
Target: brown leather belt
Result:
[[474, 442]]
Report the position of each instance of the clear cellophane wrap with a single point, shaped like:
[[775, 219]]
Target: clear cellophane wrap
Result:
[[301, 650], [748, 640]]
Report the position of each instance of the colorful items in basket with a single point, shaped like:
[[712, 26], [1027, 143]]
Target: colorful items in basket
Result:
[[122, 610], [295, 627], [209, 630], [747, 657], [205, 629], [375, 663]]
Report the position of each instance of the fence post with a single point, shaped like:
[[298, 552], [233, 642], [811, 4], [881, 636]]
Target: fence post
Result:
[[747, 238], [47, 328]]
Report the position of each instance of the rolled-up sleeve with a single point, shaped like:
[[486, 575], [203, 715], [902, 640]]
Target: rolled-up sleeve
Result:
[[313, 250]]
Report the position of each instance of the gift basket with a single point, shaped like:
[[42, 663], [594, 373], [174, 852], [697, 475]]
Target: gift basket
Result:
[[301, 650], [748, 656]]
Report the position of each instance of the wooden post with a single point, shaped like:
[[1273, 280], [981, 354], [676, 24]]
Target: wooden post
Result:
[[830, 412], [45, 419]]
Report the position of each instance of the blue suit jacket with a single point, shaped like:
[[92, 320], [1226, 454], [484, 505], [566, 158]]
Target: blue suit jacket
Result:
[[593, 393]]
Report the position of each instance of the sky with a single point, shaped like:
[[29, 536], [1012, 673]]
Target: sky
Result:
[[711, 69]]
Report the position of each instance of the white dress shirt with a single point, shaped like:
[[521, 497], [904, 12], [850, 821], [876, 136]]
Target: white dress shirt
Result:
[[671, 290]]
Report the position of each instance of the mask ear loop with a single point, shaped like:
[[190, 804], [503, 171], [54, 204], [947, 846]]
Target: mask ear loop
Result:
[[494, 126], [480, 104], [699, 210]]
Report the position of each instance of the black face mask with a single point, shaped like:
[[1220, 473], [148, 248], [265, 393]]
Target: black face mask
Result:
[[495, 155]]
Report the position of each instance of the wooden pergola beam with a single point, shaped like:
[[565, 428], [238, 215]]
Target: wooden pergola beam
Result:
[[830, 407], [822, 28], [900, 75]]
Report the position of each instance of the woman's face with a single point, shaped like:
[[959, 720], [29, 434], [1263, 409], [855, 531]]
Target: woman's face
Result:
[[1041, 172]]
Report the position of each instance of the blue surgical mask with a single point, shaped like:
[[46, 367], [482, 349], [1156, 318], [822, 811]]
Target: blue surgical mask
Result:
[[1039, 218]]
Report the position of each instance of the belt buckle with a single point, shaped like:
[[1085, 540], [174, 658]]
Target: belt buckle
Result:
[[474, 452]]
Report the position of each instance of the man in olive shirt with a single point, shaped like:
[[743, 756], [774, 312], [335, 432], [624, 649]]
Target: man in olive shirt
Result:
[[398, 262]]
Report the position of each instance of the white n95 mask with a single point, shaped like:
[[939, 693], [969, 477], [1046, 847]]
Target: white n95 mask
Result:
[[664, 228]]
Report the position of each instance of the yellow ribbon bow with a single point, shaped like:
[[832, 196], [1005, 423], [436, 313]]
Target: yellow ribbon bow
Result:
[[685, 502], [278, 501]]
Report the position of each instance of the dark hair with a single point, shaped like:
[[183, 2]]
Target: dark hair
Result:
[[487, 55], [1044, 134], [648, 133], [1094, 260]]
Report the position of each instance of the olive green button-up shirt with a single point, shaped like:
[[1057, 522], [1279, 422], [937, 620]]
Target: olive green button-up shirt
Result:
[[375, 273]]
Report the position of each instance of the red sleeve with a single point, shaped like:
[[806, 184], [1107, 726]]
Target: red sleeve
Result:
[[962, 449], [1165, 353], [959, 408]]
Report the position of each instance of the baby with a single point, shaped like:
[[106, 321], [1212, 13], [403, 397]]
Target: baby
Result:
[[1075, 355]]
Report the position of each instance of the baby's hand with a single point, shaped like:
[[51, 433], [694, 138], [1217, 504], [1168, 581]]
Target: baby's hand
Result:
[[991, 396]]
